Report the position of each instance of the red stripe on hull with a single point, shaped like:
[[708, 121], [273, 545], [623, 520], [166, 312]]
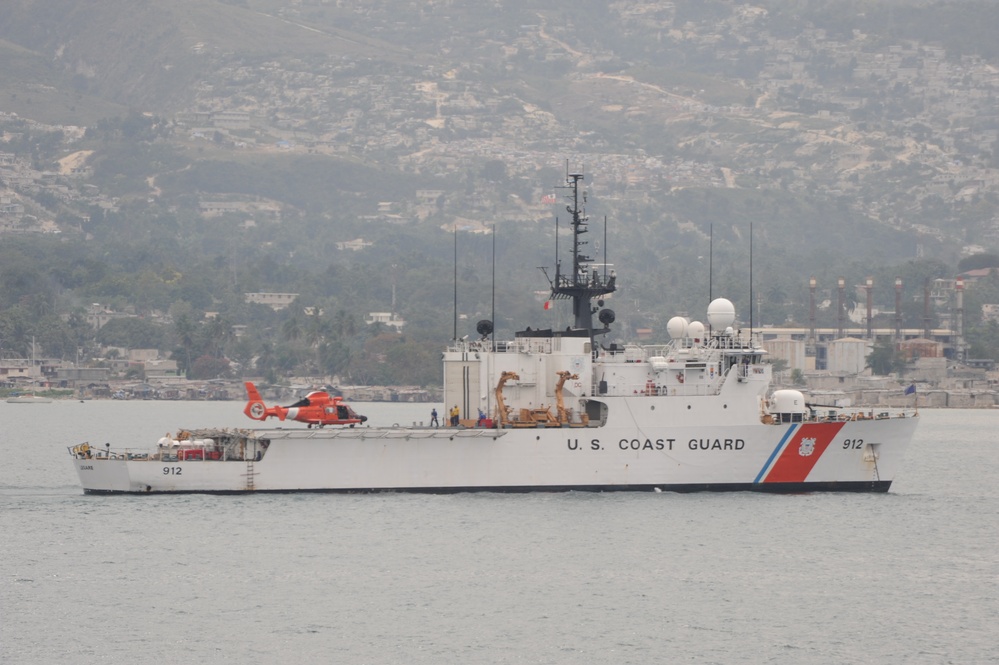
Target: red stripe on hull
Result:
[[802, 452]]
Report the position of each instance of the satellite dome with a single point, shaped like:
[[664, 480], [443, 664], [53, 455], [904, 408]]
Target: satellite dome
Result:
[[677, 327], [721, 313], [695, 331], [788, 401]]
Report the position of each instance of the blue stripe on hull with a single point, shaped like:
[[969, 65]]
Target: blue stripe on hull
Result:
[[773, 455]]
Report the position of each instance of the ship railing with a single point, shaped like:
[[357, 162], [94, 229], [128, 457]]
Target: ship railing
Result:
[[86, 451], [860, 413], [473, 346], [675, 351], [682, 348], [181, 453], [838, 415], [649, 389], [526, 345], [391, 433]]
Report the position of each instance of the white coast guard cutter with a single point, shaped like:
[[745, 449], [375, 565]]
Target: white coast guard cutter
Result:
[[566, 412]]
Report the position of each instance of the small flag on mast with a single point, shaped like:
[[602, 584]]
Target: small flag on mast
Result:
[[548, 304], [911, 389]]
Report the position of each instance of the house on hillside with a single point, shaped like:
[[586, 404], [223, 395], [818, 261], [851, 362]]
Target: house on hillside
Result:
[[388, 319], [276, 301]]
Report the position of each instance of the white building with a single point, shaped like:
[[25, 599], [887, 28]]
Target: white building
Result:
[[386, 319], [275, 301]]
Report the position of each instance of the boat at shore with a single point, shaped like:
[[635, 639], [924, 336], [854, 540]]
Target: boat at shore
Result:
[[28, 398], [558, 410]]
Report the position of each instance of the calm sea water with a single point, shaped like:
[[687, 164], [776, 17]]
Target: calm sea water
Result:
[[907, 577]]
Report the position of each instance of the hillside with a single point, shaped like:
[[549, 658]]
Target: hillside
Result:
[[855, 140]]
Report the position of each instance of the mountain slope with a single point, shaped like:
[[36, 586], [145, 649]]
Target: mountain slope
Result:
[[152, 55]]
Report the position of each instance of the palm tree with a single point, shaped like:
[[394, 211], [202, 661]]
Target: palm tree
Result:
[[344, 324], [315, 334], [335, 357], [220, 334], [292, 329], [185, 332], [883, 359], [265, 357]]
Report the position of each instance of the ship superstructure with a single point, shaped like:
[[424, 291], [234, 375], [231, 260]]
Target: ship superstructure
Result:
[[572, 366]]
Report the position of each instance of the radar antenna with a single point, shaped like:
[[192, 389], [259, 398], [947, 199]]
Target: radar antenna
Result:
[[584, 283]]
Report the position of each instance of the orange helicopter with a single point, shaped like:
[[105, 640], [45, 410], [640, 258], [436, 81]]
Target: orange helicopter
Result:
[[317, 408]]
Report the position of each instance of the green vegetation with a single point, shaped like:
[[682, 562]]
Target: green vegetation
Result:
[[884, 359], [395, 123], [54, 393]]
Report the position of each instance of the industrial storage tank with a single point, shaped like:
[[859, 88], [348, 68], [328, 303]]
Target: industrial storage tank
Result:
[[847, 355], [792, 351]]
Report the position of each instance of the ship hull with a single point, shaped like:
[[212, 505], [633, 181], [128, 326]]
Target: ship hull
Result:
[[861, 455], [779, 488]]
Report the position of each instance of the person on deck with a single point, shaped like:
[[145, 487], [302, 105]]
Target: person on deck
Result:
[[433, 418]]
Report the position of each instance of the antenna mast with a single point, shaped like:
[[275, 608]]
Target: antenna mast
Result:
[[750, 279], [493, 315], [585, 283], [711, 259], [455, 281]]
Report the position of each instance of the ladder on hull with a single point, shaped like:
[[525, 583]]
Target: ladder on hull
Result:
[[250, 473]]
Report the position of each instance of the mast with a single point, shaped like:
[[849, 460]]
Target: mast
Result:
[[584, 283], [455, 337]]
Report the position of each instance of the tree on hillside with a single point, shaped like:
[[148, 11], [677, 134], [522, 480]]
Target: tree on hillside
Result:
[[133, 333], [292, 329], [209, 367], [983, 340], [884, 359], [978, 261], [218, 332], [185, 330]]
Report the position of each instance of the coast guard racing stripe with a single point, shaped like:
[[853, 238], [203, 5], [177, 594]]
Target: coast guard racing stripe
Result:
[[798, 452]]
